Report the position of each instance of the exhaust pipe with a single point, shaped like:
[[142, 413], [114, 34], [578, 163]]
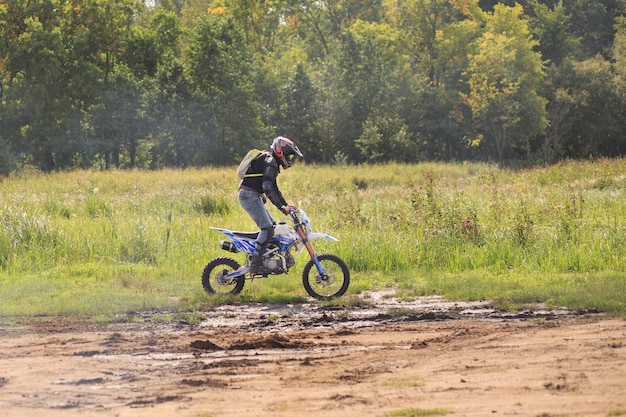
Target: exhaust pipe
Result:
[[228, 246]]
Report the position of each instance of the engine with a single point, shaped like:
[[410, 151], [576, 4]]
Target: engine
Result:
[[275, 263]]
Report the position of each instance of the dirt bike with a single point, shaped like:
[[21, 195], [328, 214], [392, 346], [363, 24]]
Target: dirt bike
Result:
[[324, 276]]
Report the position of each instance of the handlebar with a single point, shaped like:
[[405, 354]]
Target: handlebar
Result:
[[294, 213], [300, 220]]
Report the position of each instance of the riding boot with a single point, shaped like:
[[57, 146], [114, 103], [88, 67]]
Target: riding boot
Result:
[[256, 264]]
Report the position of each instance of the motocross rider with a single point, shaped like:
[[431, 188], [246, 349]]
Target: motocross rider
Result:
[[260, 184]]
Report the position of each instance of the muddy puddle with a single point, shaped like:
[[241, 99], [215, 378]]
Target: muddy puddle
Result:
[[377, 308]]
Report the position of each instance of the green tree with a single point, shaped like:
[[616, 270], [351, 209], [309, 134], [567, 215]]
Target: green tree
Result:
[[438, 121], [619, 53], [592, 22], [554, 32], [56, 54], [181, 121], [619, 71], [322, 24], [595, 110], [7, 158], [300, 116], [119, 120], [147, 46], [504, 77], [435, 34], [374, 84], [221, 70], [549, 147], [35, 63], [259, 20], [333, 115]]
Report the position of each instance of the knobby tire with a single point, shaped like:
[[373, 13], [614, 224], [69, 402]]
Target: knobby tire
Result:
[[218, 268], [335, 284]]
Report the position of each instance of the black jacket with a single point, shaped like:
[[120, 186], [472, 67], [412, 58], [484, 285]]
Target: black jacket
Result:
[[266, 183]]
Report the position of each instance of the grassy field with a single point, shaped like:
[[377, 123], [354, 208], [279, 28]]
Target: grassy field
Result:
[[103, 242]]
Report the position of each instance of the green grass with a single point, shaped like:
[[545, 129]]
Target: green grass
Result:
[[402, 383], [91, 242]]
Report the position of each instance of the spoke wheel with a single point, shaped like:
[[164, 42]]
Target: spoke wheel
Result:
[[213, 275], [333, 283]]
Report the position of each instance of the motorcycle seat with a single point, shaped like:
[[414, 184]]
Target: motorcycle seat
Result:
[[247, 235]]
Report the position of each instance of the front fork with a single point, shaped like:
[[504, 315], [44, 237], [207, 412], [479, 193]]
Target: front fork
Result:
[[307, 244]]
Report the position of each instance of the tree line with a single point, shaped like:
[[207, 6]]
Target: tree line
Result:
[[183, 83]]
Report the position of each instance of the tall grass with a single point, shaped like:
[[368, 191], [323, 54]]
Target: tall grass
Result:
[[90, 241]]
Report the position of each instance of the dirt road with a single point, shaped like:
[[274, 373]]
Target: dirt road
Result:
[[304, 360]]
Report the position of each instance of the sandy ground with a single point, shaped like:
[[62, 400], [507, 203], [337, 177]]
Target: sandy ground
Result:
[[306, 360]]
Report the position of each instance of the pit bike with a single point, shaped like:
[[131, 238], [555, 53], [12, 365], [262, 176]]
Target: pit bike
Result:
[[324, 276]]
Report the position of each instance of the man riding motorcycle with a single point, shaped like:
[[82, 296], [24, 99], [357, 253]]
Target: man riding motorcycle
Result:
[[259, 183]]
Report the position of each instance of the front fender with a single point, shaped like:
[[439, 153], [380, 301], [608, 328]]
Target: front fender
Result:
[[313, 236]]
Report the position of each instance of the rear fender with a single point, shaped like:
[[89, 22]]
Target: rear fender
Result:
[[243, 244]]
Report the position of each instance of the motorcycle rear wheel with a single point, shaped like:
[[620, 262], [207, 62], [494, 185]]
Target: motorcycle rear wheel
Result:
[[213, 277], [334, 282]]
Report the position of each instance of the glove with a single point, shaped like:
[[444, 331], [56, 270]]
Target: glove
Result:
[[289, 209]]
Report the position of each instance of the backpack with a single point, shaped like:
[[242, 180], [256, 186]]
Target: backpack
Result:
[[244, 165]]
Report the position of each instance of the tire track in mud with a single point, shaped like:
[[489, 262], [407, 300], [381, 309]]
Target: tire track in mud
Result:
[[140, 362]]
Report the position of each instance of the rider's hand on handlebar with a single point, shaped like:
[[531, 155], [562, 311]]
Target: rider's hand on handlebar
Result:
[[289, 209]]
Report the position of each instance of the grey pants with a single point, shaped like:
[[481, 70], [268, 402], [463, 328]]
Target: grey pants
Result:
[[252, 202]]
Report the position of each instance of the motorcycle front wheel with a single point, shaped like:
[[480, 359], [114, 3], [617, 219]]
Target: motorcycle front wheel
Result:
[[213, 277], [332, 283]]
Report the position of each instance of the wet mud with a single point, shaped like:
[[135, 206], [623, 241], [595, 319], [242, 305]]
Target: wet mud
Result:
[[375, 358]]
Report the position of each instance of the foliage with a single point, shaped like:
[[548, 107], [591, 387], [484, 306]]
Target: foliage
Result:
[[553, 27], [126, 83], [220, 68], [7, 158], [504, 78], [299, 112], [591, 94]]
